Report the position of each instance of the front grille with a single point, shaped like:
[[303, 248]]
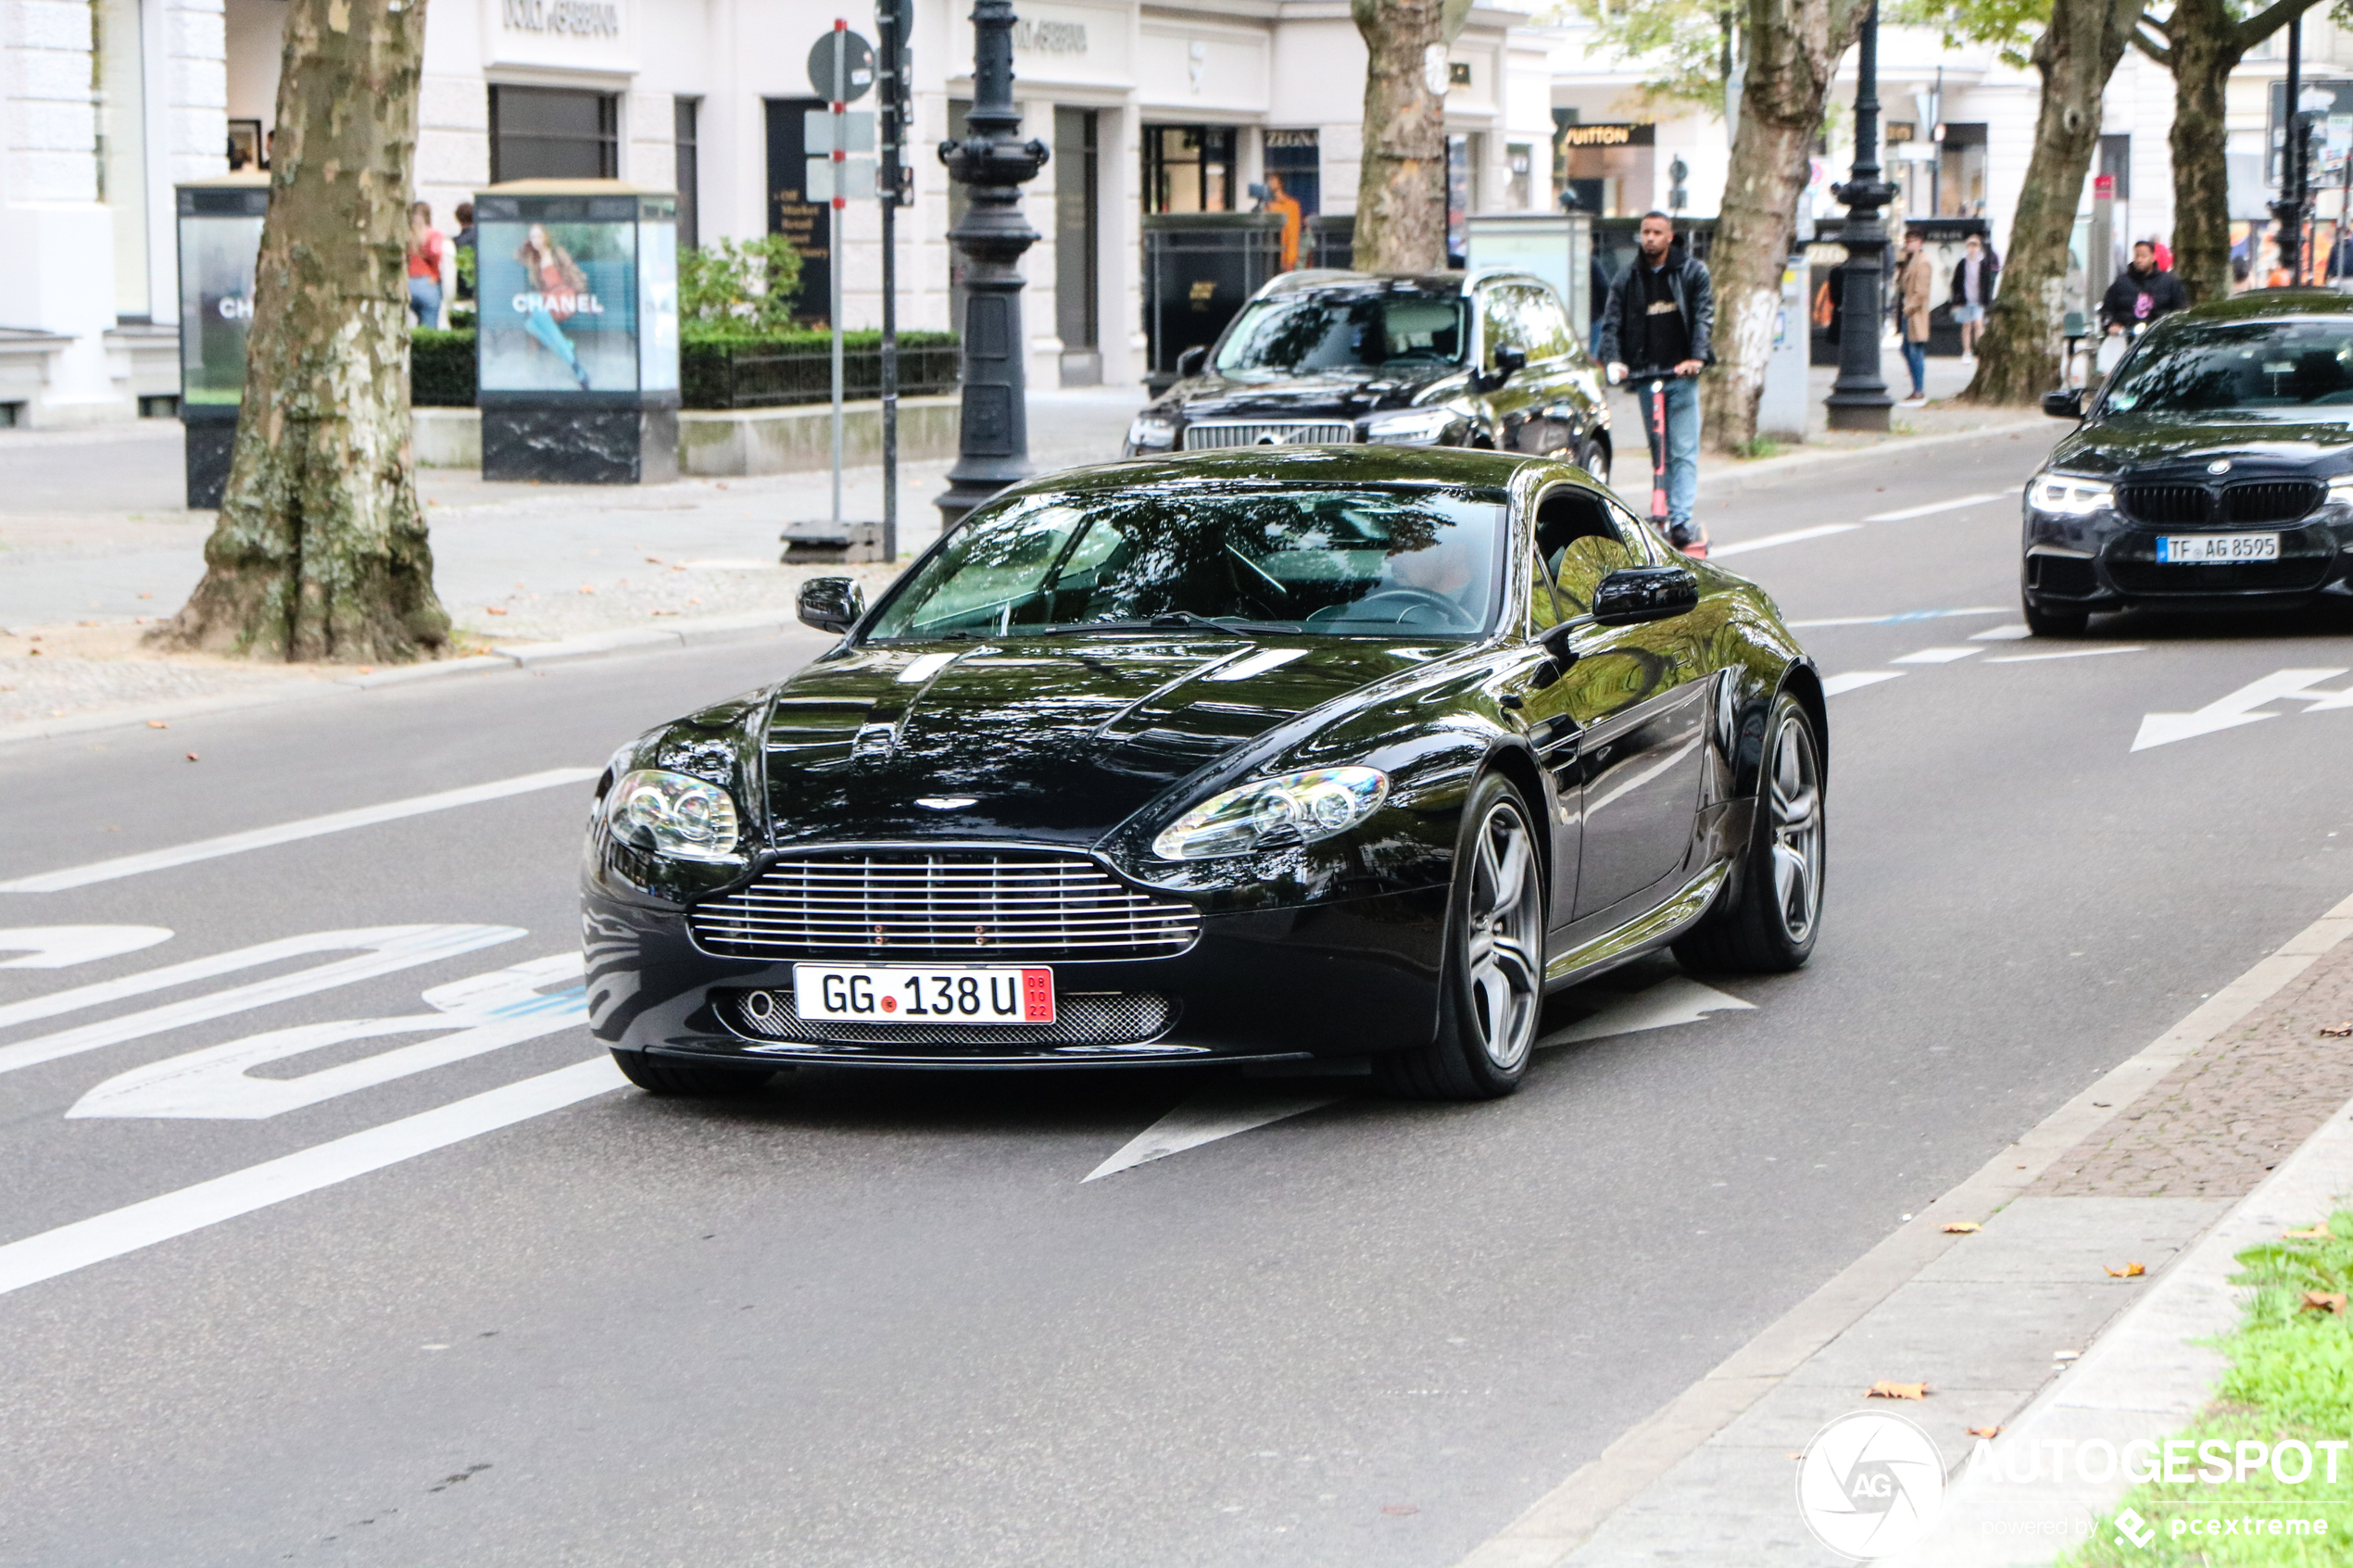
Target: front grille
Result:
[[2281, 501], [2169, 504], [1081, 1018], [1272, 433], [995, 905]]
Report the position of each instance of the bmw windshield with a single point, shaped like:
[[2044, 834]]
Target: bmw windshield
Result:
[[1410, 561], [2240, 367], [1312, 333]]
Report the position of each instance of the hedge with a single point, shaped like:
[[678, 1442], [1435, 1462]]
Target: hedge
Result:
[[723, 372]]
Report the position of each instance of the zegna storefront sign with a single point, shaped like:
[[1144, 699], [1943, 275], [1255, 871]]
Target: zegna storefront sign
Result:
[[1050, 38], [577, 18]]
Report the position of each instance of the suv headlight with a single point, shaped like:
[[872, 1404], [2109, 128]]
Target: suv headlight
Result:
[[671, 814], [1151, 434], [1275, 813], [2069, 496], [2341, 488], [1413, 427]]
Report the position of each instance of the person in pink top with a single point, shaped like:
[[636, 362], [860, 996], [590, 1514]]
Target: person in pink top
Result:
[[428, 247]]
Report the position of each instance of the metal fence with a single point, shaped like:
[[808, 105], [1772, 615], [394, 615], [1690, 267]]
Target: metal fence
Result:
[[752, 375]]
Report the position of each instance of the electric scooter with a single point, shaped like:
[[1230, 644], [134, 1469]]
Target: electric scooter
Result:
[[1654, 395]]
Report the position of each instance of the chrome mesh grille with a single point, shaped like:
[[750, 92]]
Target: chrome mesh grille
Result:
[[1101, 1017], [1210, 437], [968, 905]]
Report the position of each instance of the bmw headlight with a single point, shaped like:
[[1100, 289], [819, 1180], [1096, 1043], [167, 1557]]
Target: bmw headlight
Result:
[[2068, 496], [1413, 427], [1151, 434], [671, 814], [1275, 813], [2341, 488]]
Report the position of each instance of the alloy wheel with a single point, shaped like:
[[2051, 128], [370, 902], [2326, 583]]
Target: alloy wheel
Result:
[[1500, 964], [1794, 800]]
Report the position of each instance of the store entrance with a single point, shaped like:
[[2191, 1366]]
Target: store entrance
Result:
[[1077, 245]]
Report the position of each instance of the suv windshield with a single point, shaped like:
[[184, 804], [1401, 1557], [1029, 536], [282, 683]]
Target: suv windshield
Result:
[[1364, 562], [2213, 365], [1297, 334]]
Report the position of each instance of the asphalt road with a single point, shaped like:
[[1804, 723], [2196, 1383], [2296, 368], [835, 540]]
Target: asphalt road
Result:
[[885, 1319]]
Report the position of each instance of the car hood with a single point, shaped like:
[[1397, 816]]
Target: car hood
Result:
[[2154, 446], [1051, 739], [1346, 395]]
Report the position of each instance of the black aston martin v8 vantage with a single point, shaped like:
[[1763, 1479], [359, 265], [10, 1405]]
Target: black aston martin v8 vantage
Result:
[[1258, 756]]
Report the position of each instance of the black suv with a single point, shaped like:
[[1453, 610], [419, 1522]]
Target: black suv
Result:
[[2213, 471], [1485, 359]]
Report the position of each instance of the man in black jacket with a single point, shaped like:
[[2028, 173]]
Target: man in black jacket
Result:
[[1656, 330], [2142, 291]]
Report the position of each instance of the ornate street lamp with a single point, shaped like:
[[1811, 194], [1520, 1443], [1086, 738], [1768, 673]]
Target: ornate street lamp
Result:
[[993, 436], [1859, 399]]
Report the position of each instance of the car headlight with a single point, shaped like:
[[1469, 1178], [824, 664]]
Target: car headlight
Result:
[[671, 814], [2069, 496], [1414, 427], [2341, 489], [1151, 434], [1275, 813]]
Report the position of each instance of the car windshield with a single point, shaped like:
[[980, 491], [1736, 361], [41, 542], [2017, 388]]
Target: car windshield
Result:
[[1298, 334], [1410, 561], [2213, 365]]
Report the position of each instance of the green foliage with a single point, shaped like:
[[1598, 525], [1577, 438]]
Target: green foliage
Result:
[[2010, 26], [441, 369], [468, 268], [738, 288], [1685, 36]]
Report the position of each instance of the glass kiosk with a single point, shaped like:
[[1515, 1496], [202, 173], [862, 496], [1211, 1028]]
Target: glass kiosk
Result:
[[577, 344], [220, 243]]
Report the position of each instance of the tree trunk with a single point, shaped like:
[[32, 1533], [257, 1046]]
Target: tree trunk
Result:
[[1793, 48], [2018, 360], [320, 552], [2202, 53], [1401, 185]]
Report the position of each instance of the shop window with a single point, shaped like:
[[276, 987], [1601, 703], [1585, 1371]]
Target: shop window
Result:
[[1078, 236], [689, 175], [1961, 171], [1296, 157], [553, 133], [1188, 167]]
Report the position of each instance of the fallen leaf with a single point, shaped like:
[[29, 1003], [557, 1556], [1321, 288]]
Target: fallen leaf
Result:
[[495, 610], [653, 560], [665, 613], [2066, 1355], [33, 652], [146, 596], [2329, 1302], [586, 589], [2338, 1030], [1963, 1228], [2318, 1233], [2130, 1271], [1985, 1432], [1886, 1390], [191, 757], [158, 724], [85, 623], [1395, 1509]]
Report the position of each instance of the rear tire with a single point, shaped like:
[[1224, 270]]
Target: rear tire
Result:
[[1491, 992], [686, 1080], [1767, 922], [1594, 457], [2055, 623]]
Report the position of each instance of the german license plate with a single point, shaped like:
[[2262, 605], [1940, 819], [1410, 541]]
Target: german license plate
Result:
[[2216, 550], [930, 994]]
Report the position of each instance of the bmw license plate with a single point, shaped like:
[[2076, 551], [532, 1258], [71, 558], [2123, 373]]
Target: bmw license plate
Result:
[[2216, 550], [946, 994]]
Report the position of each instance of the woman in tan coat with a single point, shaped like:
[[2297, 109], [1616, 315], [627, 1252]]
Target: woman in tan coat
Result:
[[1914, 283]]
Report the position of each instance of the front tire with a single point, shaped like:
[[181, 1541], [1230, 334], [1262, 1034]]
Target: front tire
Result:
[[686, 1080], [1493, 990], [1594, 457], [1767, 923]]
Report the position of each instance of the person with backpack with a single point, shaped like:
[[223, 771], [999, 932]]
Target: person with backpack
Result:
[[1656, 330]]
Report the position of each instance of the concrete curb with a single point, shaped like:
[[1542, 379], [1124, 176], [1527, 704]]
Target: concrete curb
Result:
[[701, 631], [1562, 1521], [1728, 467]]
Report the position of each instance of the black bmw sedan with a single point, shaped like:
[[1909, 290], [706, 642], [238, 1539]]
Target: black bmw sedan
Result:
[[1486, 360], [1261, 755], [2214, 471]]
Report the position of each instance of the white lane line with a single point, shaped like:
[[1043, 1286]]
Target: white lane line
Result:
[[1935, 656], [62, 946], [111, 1235], [2069, 653], [2014, 632], [287, 833], [1897, 619], [1935, 507], [1678, 999], [1794, 536], [1206, 1118], [1855, 679]]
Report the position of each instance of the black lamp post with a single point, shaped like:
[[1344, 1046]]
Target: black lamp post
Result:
[[1858, 400], [2288, 211], [993, 437]]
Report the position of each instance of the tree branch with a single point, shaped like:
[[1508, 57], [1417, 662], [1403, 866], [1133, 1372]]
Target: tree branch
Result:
[[2157, 52], [2264, 23]]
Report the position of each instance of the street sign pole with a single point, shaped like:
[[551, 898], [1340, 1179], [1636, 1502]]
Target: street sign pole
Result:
[[833, 243], [890, 78]]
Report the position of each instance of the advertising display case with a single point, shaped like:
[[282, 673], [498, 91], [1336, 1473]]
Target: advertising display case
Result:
[[219, 243], [577, 338], [1557, 246]]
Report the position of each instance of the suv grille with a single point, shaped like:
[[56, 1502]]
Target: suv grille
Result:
[[2280, 502], [1081, 1018], [2165, 503], [2196, 506], [966, 905], [1320, 433]]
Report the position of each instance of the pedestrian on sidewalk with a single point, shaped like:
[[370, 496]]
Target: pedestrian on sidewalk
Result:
[[1656, 330], [428, 247], [1975, 278], [464, 242], [1913, 292], [2142, 293]]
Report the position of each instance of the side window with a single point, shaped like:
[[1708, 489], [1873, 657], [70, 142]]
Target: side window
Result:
[[1650, 546], [1548, 326], [1499, 319], [1582, 544]]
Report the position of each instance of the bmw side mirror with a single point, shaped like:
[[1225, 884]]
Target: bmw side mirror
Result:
[[1190, 362], [1644, 593], [831, 604], [2064, 405]]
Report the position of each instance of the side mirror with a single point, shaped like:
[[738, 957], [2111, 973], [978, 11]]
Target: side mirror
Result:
[[2066, 405], [1190, 362], [1509, 361], [1644, 593], [831, 604]]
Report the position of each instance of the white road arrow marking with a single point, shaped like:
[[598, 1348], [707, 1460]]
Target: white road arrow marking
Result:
[[1855, 679], [62, 946], [2322, 701], [2227, 712], [1678, 999]]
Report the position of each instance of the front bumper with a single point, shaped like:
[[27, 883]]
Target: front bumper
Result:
[[2106, 562], [1347, 977]]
